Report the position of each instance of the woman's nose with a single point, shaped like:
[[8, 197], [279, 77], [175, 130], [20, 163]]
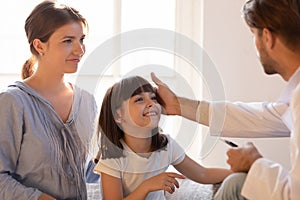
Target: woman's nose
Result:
[[79, 49]]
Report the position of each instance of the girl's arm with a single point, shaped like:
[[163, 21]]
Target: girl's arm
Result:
[[46, 197], [200, 174], [112, 186]]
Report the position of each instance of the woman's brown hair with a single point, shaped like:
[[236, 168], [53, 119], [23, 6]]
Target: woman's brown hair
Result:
[[110, 132], [42, 22]]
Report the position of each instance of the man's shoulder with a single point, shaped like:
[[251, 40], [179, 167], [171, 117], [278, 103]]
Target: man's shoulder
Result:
[[296, 93], [295, 103]]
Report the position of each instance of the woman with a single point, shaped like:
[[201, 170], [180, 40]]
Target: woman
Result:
[[47, 123]]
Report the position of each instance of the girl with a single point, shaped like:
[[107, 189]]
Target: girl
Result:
[[134, 154], [47, 123]]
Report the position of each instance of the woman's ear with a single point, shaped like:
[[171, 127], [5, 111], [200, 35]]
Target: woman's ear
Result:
[[39, 46]]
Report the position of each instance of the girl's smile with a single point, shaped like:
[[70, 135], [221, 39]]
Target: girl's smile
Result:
[[140, 113], [150, 113]]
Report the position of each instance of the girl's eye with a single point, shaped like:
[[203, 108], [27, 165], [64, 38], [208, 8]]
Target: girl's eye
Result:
[[154, 98], [139, 99]]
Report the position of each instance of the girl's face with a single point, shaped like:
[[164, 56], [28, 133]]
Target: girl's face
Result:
[[140, 113], [64, 49]]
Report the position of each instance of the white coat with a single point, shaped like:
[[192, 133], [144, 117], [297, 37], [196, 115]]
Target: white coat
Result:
[[266, 179]]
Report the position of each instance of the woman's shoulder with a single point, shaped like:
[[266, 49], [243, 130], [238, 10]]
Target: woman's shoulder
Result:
[[12, 91], [83, 93], [85, 99], [13, 97], [80, 89]]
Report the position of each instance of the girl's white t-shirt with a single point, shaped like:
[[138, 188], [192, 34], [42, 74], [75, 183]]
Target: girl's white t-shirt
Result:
[[133, 169]]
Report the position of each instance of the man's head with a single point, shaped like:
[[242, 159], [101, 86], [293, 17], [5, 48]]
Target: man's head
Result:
[[281, 17], [276, 29]]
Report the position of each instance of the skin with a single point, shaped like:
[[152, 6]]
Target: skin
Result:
[[241, 159], [140, 114], [59, 55], [185, 107], [268, 47], [275, 57]]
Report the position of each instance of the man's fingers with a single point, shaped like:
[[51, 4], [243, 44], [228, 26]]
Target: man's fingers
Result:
[[156, 80], [163, 110]]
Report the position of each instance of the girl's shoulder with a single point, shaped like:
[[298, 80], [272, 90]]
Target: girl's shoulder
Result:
[[172, 142], [169, 137]]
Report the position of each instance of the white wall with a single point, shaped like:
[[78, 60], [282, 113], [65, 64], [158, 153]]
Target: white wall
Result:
[[227, 40], [6, 79]]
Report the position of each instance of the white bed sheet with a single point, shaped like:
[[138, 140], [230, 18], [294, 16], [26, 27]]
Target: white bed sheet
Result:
[[188, 190]]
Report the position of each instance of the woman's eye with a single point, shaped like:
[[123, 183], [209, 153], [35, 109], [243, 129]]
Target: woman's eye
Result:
[[67, 41]]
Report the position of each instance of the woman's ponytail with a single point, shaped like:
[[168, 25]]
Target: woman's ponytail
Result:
[[28, 67]]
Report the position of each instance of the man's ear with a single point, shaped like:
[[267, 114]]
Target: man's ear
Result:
[[269, 38], [39, 46]]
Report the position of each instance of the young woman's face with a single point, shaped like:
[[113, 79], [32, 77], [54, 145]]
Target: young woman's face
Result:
[[65, 48], [140, 111]]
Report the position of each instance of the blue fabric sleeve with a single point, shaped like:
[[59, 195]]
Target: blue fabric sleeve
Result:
[[11, 133]]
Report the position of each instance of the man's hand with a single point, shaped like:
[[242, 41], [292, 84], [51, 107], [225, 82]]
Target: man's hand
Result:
[[171, 101], [241, 159]]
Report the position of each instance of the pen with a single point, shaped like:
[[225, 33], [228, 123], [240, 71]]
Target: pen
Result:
[[229, 143]]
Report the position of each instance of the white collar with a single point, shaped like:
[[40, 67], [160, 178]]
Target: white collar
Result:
[[294, 80]]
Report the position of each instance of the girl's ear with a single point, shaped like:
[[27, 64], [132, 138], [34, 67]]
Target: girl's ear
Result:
[[118, 117], [39, 46]]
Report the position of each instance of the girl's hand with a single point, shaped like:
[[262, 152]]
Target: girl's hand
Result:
[[164, 181], [46, 197]]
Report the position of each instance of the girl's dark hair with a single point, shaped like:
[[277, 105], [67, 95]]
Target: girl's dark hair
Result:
[[42, 22], [109, 131], [281, 17]]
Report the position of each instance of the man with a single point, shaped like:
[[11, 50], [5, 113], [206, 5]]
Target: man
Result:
[[276, 30]]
